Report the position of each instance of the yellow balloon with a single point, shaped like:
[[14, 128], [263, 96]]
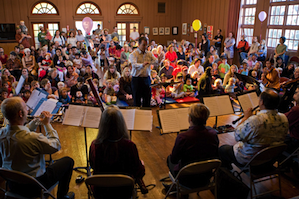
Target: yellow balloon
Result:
[[196, 25]]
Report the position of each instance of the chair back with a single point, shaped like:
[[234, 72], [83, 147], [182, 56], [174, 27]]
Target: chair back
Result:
[[267, 155], [111, 180], [18, 177], [200, 168]]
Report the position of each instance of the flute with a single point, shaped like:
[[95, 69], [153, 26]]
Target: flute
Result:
[[30, 116], [241, 117]]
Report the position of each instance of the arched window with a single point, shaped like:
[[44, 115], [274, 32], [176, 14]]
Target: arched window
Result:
[[44, 8], [88, 8], [127, 9]]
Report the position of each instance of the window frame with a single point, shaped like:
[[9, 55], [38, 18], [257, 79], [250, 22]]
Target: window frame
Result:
[[132, 4], [284, 26], [39, 14], [90, 2]]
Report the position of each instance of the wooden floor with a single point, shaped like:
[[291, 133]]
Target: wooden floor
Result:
[[153, 150]]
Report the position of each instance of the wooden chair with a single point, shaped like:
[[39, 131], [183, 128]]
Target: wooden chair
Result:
[[111, 181], [257, 168], [22, 178], [191, 171]]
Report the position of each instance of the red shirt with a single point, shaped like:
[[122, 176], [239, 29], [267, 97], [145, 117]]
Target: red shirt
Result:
[[3, 59], [112, 51], [171, 56]]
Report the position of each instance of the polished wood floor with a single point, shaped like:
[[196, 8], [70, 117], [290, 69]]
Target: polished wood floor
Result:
[[153, 150]]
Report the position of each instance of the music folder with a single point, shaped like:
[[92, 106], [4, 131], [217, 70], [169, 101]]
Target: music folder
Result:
[[36, 96], [138, 119], [173, 120], [248, 100], [44, 104], [219, 105], [84, 116]]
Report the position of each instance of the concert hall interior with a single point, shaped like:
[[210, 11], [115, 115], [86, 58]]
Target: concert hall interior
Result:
[[149, 99]]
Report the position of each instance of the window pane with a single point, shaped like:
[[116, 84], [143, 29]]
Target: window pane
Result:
[[88, 8], [127, 9], [44, 8]]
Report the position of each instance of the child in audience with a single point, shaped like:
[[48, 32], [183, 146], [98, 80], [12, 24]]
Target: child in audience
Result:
[[60, 85], [195, 77], [154, 77], [4, 94], [178, 89], [254, 75], [26, 95], [79, 92], [34, 85], [103, 56], [77, 62], [223, 67], [188, 88], [7, 87], [45, 65], [218, 87], [23, 27], [63, 96], [167, 89], [244, 69], [109, 95], [231, 85], [158, 93]]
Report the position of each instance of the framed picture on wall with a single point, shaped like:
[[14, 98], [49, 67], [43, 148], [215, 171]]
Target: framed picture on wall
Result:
[[184, 29], [175, 30], [167, 30], [147, 30], [155, 31], [161, 31]]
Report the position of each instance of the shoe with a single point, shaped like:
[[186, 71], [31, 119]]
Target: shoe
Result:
[[69, 195]]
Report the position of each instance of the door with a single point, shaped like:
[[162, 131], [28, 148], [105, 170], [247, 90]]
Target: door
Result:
[[52, 27], [124, 29]]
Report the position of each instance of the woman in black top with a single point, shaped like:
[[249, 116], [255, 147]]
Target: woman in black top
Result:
[[181, 54], [205, 44], [125, 90], [288, 71]]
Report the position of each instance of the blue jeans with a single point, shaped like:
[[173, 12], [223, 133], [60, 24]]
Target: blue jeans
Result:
[[243, 55]]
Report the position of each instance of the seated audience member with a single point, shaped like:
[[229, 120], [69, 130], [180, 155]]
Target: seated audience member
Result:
[[28, 78], [79, 92], [87, 60], [111, 74], [217, 87], [296, 73], [178, 89], [125, 89], [28, 62], [262, 51], [188, 88], [252, 60], [292, 139], [271, 76], [44, 66], [167, 89], [70, 77], [167, 69], [205, 83], [34, 85], [14, 65], [196, 67], [77, 62], [230, 87], [223, 67], [3, 57], [256, 68], [63, 96], [178, 68], [53, 77], [10, 78], [90, 74], [4, 93], [244, 69], [15, 138], [46, 86], [158, 93], [154, 77], [253, 49], [208, 62], [198, 143], [215, 71], [26, 95], [243, 46], [288, 71], [256, 132], [180, 53], [279, 63], [109, 94], [231, 73], [113, 152]]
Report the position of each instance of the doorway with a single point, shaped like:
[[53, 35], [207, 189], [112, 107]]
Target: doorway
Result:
[[51, 26], [124, 30]]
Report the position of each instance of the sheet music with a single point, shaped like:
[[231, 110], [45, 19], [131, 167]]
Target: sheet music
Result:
[[248, 100], [129, 116], [219, 105], [143, 120], [48, 105], [20, 84], [92, 117], [73, 115], [169, 121], [182, 114], [35, 97]]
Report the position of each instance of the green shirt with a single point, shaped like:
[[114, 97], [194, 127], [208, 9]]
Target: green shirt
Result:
[[226, 67], [41, 38], [188, 88], [281, 48]]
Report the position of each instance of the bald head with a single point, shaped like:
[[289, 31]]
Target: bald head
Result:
[[14, 110], [270, 99]]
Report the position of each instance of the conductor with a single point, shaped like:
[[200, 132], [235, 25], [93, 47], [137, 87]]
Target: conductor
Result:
[[141, 70]]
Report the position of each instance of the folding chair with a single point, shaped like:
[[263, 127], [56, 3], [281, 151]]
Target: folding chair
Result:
[[191, 171], [257, 168], [22, 178], [294, 156], [111, 181]]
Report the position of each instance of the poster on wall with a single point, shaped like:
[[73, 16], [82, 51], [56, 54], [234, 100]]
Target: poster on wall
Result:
[[161, 31], [147, 30], [175, 30], [210, 32], [184, 29], [167, 30], [155, 31]]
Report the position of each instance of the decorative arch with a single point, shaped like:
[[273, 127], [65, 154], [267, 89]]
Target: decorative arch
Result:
[[127, 9], [44, 8], [88, 8]]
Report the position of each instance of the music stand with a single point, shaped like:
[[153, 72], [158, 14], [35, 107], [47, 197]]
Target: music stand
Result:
[[165, 85]]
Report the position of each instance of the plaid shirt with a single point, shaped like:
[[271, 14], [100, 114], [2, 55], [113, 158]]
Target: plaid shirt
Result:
[[259, 131]]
